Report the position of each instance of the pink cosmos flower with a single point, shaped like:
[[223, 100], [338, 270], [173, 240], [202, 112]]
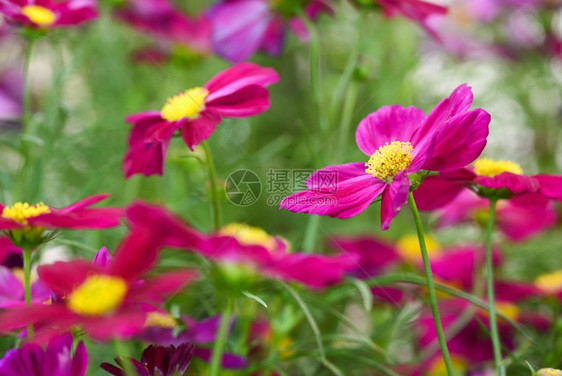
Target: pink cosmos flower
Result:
[[57, 360], [258, 256], [518, 219], [416, 10], [501, 178], [400, 142], [168, 25], [105, 299], [47, 14], [236, 92], [199, 333], [242, 27]]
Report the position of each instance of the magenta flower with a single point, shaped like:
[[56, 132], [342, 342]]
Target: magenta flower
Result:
[[246, 250], [171, 28], [106, 300], [518, 219], [242, 27], [47, 14], [26, 224], [236, 92], [57, 360], [199, 333], [415, 10], [157, 361], [400, 142], [500, 179]]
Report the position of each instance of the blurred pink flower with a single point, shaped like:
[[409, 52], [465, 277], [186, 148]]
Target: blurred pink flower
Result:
[[415, 10], [400, 142], [11, 84], [46, 14], [105, 298], [242, 27], [236, 92]]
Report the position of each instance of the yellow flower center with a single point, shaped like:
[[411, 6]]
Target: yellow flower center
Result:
[[490, 167], [549, 372], [389, 160], [160, 319], [187, 104], [409, 247], [97, 295], [550, 283], [38, 15], [249, 235], [438, 367], [509, 310], [20, 212]]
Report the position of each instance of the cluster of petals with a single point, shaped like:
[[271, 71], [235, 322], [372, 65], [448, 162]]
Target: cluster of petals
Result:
[[238, 91], [124, 317], [449, 138], [437, 191], [518, 219], [58, 359], [78, 216], [48, 13], [416, 10], [242, 27], [315, 271]]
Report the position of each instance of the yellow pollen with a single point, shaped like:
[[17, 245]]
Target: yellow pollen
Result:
[[509, 310], [249, 235], [490, 167], [187, 104], [409, 247], [20, 212], [97, 295], [38, 15], [551, 283], [438, 367], [389, 160], [160, 319]]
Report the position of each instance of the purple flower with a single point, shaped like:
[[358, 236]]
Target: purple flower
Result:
[[157, 361], [242, 27], [56, 360], [10, 97], [400, 142]]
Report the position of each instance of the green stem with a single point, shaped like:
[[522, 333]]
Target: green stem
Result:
[[122, 350], [27, 283], [213, 185], [490, 285], [311, 234], [431, 286], [220, 341]]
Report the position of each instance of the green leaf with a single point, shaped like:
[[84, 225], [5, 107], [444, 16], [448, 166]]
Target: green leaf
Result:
[[254, 297], [365, 292]]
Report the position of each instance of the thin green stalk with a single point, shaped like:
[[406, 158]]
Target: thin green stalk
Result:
[[490, 285], [122, 350], [311, 233], [220, 341], [213, 185], [27, 283], [431, 286]]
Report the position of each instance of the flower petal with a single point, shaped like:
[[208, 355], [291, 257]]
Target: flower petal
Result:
[[515, 183], [350, 198], [436, 192], [195, 131], [551, 186], [247, 101], [393, 198], [389, 123]]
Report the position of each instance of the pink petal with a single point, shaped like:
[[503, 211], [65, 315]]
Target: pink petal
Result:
[[551, 185], [436, 192], [389, 123], [62, 277], [238, 77], [165, 284], [328, 177], [248, 101], [198, 130], [274, 36], [393, 198], [102, 258], [526, 215], [351, 197], [460, 140], [515, 183]]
